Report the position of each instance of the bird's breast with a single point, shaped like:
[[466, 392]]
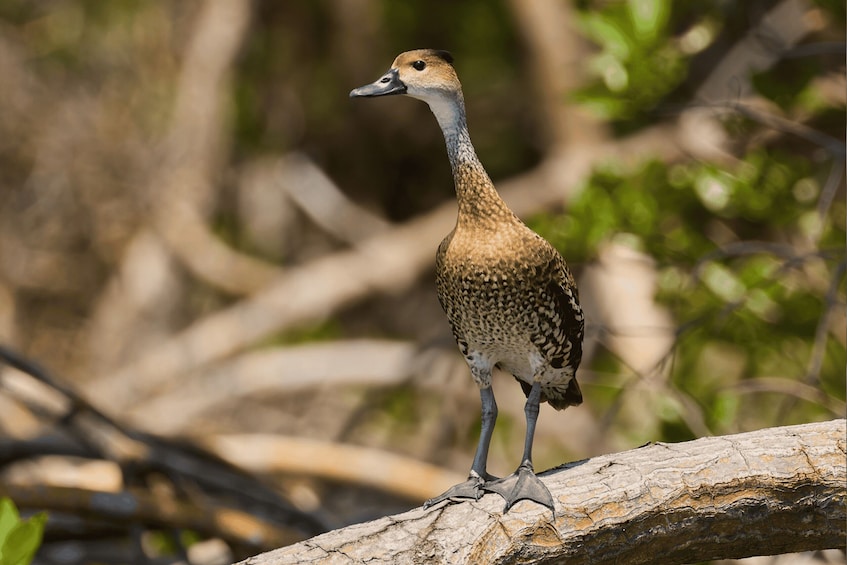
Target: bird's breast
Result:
[[490, 297]]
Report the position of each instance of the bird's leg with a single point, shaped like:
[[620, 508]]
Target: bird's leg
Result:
[[472, 488], [523, 484], [489, 417]]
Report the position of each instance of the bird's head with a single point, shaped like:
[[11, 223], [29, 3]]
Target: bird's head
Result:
[[425, 74]]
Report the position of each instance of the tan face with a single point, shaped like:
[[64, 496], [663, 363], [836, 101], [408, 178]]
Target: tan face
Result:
[[426, 74]]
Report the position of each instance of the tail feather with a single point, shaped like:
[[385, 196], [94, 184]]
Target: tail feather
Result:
[[556, 397]]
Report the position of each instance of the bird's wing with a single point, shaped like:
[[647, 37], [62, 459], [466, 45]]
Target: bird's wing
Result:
[[561, 325]]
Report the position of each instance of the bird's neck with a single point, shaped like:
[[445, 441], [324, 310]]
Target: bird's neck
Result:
[[477, 198]]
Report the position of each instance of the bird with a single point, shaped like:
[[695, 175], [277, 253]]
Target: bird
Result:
[[508, 294]]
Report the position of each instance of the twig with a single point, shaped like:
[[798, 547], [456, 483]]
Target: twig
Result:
[[154, 510], [835, 147], [833, 181], [793, 388], [819, 347], [140, 454], [821, 334]]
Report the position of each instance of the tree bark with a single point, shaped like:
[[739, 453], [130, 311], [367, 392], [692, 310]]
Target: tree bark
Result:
[[767, 492]]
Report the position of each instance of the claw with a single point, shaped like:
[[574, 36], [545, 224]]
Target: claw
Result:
[[523, 484]]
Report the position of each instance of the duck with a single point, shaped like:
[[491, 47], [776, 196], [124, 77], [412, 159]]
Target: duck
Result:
[[509, 296]]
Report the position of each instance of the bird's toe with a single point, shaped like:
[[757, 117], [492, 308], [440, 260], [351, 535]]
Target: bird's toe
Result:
[[470, 489], [523, 484]]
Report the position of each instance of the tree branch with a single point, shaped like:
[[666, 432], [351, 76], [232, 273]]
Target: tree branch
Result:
[[771, 491], [273, 453]]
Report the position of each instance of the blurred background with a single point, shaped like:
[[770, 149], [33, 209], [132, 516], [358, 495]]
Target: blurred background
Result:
[[209, 245]]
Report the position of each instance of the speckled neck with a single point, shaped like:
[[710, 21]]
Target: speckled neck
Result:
[[477, 198]]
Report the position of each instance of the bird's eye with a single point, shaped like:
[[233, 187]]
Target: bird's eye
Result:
[[419, 65]]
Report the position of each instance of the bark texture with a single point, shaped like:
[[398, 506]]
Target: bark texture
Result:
[[767, 492]]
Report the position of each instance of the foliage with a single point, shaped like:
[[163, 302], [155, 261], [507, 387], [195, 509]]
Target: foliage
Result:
[[640, 60], [750, 256], [758, 297], [19, 539]]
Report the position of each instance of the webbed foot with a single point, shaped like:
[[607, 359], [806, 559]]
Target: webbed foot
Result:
[[523, 484], [470, 489]]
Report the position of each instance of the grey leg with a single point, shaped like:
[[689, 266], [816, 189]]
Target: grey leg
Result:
[[523, 484], [472, 488], [531, 410], [489, 417]]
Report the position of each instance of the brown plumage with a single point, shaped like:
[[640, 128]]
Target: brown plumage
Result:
[[508, 294]]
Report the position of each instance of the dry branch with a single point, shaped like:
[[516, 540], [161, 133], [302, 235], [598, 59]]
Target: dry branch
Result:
[[140, 297], [398, 475], [779, 29], [193, 148], [231, 524], [767, 492], [321, 199], [360, 362], [557, 63]]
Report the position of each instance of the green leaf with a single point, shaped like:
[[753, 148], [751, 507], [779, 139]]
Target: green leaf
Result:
[[19, 539], [607, 33], [23, 541], [8, 519], [603, 106], [649, 17], [725, 409]]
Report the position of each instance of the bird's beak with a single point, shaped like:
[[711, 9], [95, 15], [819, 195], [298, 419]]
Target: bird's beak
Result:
[[389, 83]]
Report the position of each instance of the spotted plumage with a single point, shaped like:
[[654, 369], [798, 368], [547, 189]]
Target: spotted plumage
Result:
[[511, 301]]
